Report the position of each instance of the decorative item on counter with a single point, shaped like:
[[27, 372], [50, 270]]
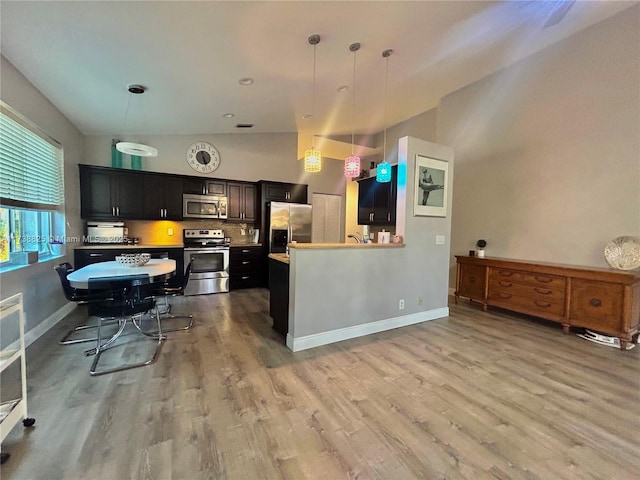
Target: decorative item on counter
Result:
[[384, 237], [480, 244], [397, 239]]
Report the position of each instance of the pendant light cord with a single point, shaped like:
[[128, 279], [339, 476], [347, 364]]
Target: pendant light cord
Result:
[[353, 100], [313, 98]]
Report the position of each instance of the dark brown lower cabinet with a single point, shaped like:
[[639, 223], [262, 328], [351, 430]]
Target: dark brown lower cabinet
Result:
[[279, 295], [245, 267]]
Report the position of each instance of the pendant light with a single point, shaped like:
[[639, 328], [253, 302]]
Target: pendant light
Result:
[[130, 148], [352, 162], [312, 156], [383, 172]]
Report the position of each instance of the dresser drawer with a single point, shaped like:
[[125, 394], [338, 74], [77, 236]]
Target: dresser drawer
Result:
[[536, 279], [596, 304], [532, 306], [536, 292]]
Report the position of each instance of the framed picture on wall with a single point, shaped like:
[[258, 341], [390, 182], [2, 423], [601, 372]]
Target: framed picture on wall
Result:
[[431, 185]]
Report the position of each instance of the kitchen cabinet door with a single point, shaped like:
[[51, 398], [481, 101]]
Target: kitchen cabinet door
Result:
[[241, 205], [377, 201], [204, 186], [283, 192], [163, 197], [110, 194]]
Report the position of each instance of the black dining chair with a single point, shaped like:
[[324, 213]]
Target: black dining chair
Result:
[[164, 292], [79, 296], [131, 299]]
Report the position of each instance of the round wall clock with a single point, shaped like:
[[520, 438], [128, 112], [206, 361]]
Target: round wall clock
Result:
[[203, 157]]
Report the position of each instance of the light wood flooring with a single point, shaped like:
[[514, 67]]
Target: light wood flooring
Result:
[[473, 396]]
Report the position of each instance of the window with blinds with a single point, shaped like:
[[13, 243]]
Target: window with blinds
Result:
[[31, 191], [31, 165]]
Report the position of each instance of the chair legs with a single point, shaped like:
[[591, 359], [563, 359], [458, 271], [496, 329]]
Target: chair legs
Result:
[[166, 310], [67, 340], [102, 347]]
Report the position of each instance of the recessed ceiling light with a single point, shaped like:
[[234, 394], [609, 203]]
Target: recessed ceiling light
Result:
[[228, 115], [343, 88], [307, 116], [246, 81]]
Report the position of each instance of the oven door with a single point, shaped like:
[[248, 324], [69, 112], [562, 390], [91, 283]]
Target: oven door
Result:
[[209, 270]]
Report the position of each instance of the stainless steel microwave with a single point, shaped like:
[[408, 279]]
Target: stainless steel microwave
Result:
[[204, 206]]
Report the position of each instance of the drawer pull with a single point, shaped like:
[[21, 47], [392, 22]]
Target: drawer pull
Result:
[[542, 304], [504, 295], [246, 262], [505, 284], [595, 302], [505, 274], [95, 254], [246, 277], [544, 279], [543, 291], [246, 251]]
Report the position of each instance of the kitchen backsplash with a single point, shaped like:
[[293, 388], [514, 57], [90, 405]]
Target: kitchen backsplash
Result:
[[155, 232]]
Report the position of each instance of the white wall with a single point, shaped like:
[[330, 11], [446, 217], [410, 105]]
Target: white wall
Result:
[[548, 150], [43, 295]]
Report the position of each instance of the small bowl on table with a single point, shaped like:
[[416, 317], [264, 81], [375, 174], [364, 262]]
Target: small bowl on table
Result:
[[133, 259]]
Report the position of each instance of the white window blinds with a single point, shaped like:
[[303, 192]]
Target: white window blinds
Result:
[[31, 167]]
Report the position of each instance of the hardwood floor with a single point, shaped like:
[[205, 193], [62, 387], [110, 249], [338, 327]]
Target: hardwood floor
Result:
[[474, 396]]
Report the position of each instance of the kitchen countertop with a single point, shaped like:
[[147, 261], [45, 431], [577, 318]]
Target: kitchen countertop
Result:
[[309, 246], [245, 244], [280, 257], [120, 246]]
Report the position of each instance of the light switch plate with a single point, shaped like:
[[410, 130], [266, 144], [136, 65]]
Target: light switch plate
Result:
[[439, 239]]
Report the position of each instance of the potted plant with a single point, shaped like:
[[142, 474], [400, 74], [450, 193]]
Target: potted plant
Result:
[[480, 244]]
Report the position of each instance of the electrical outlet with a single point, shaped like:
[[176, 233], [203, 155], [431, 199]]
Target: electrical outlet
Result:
[[439, 239], [420, 300], [401, 304], [169, 231]]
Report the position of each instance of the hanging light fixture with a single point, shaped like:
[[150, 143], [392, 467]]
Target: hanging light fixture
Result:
[[130, 148], [383, 172], [312, 156], [352, 162]]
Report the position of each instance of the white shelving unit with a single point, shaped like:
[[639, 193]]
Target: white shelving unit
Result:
[[12, 411]]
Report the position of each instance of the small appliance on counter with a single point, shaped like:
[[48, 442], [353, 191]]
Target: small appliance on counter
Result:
[[105, 232]]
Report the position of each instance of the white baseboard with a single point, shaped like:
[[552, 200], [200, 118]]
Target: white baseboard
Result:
[[332, 336], [36, 332]]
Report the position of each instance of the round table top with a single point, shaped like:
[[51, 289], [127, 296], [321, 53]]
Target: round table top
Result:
[[157, 269]]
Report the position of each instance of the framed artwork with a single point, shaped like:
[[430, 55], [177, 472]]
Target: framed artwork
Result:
[[431, 185]]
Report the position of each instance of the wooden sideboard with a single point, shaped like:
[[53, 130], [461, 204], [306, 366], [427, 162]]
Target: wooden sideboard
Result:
[[600, 299]]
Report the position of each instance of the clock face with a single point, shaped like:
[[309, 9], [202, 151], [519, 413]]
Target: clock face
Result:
[[203, 157]]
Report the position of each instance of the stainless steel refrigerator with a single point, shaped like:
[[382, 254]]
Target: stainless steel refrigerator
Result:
[[288, 222]]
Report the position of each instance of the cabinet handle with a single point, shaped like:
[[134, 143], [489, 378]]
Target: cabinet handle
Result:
[[246, 277], [542, 304], [471, 280], [543, 279], [595, 302], [388, 217], [246, 251], [113, 211], [543, 291], [505, 284], [246, 262], [95, 254], [504, 274], [504, 295], [117, 211]]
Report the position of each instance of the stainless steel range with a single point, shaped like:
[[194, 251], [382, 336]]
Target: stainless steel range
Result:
[[208, 253]]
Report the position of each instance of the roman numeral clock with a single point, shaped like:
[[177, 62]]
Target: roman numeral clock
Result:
[[203, 157]]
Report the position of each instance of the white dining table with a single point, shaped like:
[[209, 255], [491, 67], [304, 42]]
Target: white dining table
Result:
[[158, 270]]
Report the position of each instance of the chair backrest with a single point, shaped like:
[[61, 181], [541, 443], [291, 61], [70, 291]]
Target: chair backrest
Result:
[[129, 295], [187, 274], [63, 270]]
